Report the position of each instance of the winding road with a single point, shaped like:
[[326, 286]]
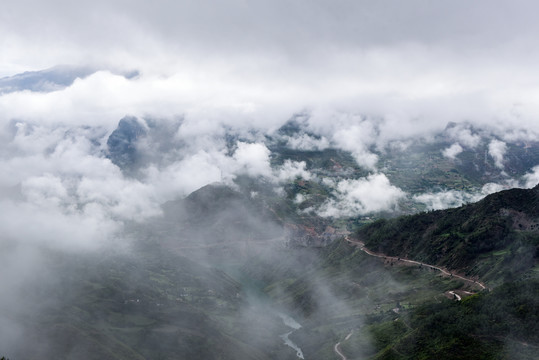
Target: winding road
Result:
[[457, 296], [337, 347], [362, 247]]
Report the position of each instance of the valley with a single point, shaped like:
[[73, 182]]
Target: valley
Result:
[[225, 275], [404, 261], [297, 253], [269, 180]]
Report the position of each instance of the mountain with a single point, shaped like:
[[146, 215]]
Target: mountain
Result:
[[52, 79], [55, 78], [375, 307], [207, 280], [145, 304], [415, 164], [418, 172], [217, 215], [252, 269], [122, 143], [279, 247], [496, 236], [137, 143], [501, 324]]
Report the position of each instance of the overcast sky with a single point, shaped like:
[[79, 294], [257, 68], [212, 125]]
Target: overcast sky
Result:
[[291, 31], [432, 61]]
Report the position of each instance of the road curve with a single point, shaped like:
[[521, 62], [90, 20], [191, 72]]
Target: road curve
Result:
[[337, 347], [457, 296], [362, 247]]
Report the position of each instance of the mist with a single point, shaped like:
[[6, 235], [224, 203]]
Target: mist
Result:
[[230, 136]]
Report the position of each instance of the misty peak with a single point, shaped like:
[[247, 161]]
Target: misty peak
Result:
[[122, 142], [52, 79]]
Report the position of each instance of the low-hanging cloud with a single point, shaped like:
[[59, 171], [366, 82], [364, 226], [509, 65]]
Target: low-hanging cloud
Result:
[[62, 172], [362, 196], [291, 170], [497, 150], [452, 151], [357, 139], [445, 199], [307, 142], [531, 179], [464, 134], [253, 159]]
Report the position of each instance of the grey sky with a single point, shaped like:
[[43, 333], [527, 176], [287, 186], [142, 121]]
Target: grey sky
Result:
[[261, 61], [294, 29]]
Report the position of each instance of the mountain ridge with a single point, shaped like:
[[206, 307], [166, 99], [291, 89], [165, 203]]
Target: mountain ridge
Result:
[[468, 238]]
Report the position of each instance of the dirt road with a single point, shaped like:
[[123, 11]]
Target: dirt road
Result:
[[457, 296], [362, 247], [337, 347]]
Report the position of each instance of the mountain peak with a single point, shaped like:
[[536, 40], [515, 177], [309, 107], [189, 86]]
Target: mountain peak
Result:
[[122, 142]]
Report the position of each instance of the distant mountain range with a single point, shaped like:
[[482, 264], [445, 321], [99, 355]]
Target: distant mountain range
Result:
[[495, 237], [421, 168], [52, 79]]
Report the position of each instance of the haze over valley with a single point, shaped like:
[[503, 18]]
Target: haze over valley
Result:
[[260, 180]]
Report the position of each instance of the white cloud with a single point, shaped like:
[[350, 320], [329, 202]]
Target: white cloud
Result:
[[453, 198], [446, 199], [49, 226], [122, 199], [532, 178], [452, 151], [253, 159], [183, 177], [291, 170], [362, 196], [463, 134], [69, 192], [307, 142], [299, 199], [347, 58], [61, 172], [497, 150], [363, 94], [355, 134]]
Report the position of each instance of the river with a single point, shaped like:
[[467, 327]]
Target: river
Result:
[[255, 295], [294, 325]]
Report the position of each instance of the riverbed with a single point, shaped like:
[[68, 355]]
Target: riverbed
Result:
[[294, 325]]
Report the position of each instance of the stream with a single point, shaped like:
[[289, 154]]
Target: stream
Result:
[[294, 325], [256, 295]]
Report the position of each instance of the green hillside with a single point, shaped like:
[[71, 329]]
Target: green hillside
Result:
[[146, 304], [496, 237], [194, 285]]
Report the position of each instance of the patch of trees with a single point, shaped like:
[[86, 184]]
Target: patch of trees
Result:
[[482, 326]]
